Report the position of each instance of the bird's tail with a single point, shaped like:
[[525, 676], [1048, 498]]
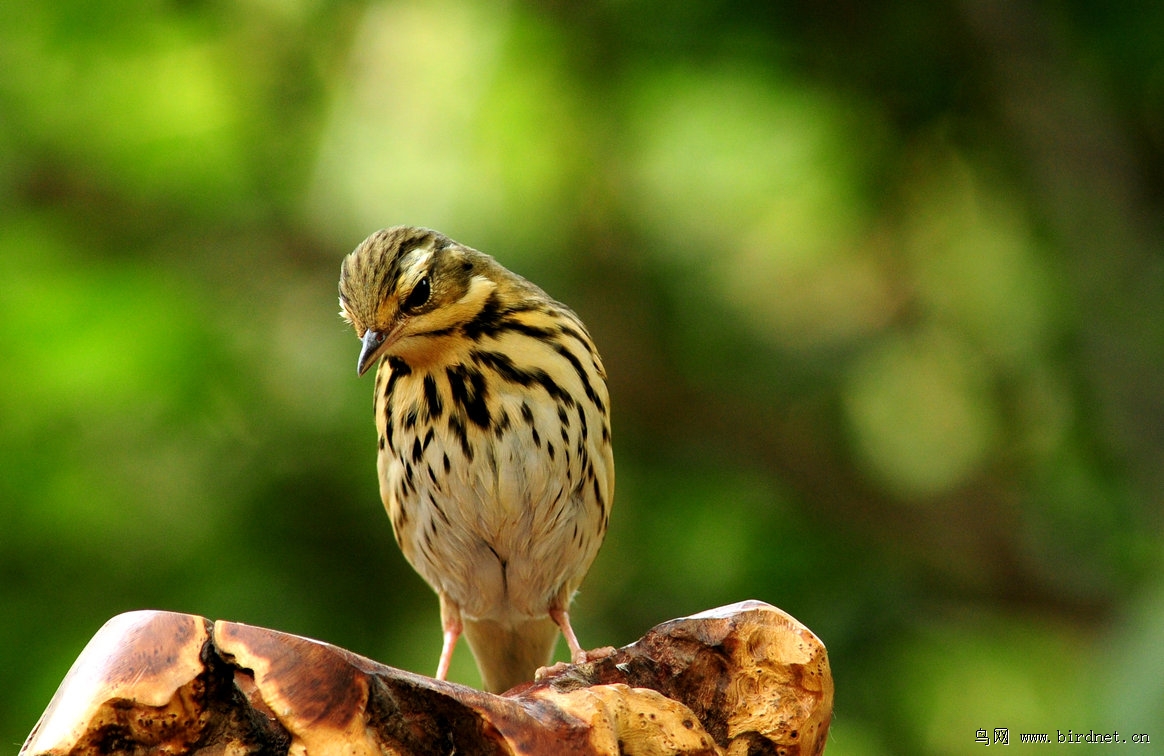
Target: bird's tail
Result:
[[508, 654]]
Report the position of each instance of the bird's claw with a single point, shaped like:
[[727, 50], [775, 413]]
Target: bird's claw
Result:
[[544, 673], [581, 657], [593, 655]]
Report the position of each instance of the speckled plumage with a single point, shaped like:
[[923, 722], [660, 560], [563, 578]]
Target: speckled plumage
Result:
[[492, 416]]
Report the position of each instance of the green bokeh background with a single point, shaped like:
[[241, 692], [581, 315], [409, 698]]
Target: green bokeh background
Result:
[[880, 289]]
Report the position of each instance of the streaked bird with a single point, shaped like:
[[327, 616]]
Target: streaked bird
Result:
[[493, 424]]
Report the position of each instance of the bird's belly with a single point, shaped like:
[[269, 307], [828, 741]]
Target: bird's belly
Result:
[[497, 518]]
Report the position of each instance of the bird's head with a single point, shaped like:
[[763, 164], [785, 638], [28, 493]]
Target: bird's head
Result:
[[405, 289]]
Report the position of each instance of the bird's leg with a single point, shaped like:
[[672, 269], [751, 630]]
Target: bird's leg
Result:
[[451, 624], [561, 618], [578, 655]]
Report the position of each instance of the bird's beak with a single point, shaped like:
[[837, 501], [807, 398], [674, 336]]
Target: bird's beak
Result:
[[373, 341]]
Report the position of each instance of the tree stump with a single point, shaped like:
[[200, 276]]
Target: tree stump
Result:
[[741, 679]]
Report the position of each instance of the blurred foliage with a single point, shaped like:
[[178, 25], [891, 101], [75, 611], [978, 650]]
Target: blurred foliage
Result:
[[879, 288]]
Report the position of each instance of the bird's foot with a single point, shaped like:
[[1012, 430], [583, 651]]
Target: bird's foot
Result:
[[594, 654], [580, 657]]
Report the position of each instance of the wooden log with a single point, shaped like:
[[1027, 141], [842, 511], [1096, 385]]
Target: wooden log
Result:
[[742, 679]]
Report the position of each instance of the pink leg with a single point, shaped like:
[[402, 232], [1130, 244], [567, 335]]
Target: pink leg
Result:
[[451, 624], [578, 655], [562, 619]]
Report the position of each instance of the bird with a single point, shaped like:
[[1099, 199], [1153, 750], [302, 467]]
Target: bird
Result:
[[494, 459]]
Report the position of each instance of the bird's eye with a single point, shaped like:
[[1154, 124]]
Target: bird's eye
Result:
[[418, 296]]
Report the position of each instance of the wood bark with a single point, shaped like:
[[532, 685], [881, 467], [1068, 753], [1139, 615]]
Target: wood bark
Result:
[[741, 679]]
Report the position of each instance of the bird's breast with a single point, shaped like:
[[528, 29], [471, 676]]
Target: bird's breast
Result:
[[497, 486]]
